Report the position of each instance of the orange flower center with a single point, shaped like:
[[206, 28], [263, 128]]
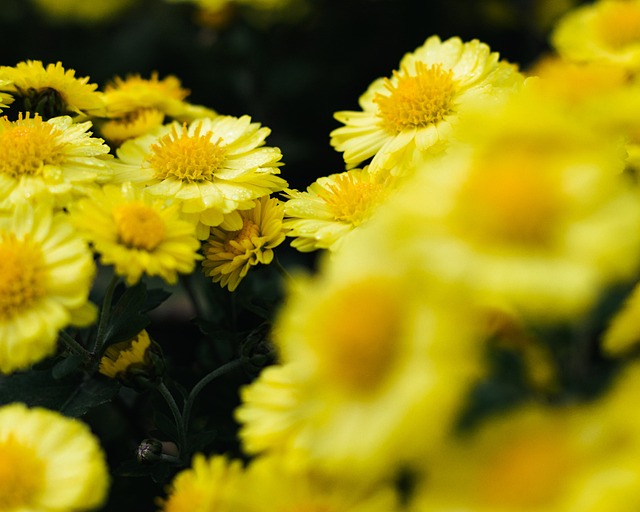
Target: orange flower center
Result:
[[22, 475], [619, 24], [139, 226], [351, 200]]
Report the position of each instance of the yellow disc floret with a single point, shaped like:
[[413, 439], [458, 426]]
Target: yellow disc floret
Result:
[[27, 145], [351, 200], [186, 157], [21, 474], [236, 245], [21, 275], [416, 100], [619, 24], [139, 225]]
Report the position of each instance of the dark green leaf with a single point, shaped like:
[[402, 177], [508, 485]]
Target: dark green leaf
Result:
[[89, 394], [67, 366]]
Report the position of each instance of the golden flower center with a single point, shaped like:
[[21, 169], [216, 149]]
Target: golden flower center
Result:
[[417, 100], [619, 24], [26, 146], [22, 275], [241, 240], [187, 157], [351, 200], [22, 475], [139, 226], [527, 473], [509, 200], [355, 336]]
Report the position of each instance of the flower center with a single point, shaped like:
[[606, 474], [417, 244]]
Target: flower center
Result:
[[26, 146], [241, 240], [21, 474], [356, 335], [22, 275], [510, 200], [416, 100], [139, 226], [187, 157], [619, 24], [351, 200], [527, 472]]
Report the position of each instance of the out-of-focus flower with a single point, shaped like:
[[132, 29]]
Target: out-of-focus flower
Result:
[[49, 462], [137, 233], [205, 486], [46, 274], [56, 158], [228, 255], [50, 91], [79, 11], [333, 206], [134, 362], [136, 105], [414, 111], [623, 332], [212, 167], [606, 31]]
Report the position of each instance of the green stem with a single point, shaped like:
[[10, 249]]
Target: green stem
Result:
[[178, 418], [105, 310], [72, 345], [218, 372], [283, 271]]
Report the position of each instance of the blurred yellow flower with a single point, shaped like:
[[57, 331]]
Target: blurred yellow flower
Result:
[[51, 91], [333, 206], [137, 233], [414, 111], [49, 462], [228, 255], [47, 271], [623, 331], [213, 167], [205, 486], [606, 31], [56, 158], [80, 11]]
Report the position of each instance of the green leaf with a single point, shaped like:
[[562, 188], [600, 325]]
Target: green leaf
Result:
[[89, 394], [67, 366], [127, 316]]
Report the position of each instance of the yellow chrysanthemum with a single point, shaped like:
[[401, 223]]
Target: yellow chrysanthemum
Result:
[[606, 31], [51, 91], [374, 360], [135, 124], [97, 11], [543, 460], [333, 206], [137, 233], [204, 487], [228, 255], [49, 462], [134, 361], [278, 488], [56, 158], [623, 332], [535, 213], [6, 99], [212, 167], [413, 111], [46, 272]]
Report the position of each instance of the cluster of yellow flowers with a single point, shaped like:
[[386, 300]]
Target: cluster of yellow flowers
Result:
[[480, 206]]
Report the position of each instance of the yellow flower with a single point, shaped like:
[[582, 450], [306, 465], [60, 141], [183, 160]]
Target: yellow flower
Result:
[[212, 167], [606, 31], [204, 487], [414, 110], [278, 488], [371, 360], [534, 213], [46, 274], [134, 124], [137, 233], [49, 462], [132, 360], [228, 255], [543, 459], [55, 158], [51, 91], [623, 332], [333, 206]]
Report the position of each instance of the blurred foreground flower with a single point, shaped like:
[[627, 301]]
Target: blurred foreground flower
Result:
[[49, 462]]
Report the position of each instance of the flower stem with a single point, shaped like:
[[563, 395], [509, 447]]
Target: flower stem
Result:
[[283, 271], [218, 372], [178, 418], [72, 345]]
